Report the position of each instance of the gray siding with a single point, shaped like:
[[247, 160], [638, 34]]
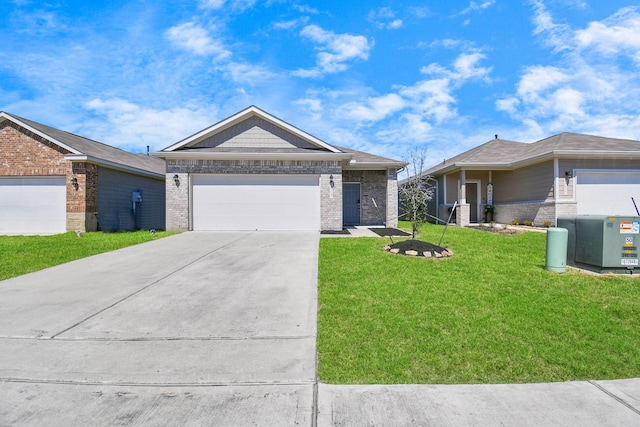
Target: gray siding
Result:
[[115, 208], [527, 184], [255, 133]]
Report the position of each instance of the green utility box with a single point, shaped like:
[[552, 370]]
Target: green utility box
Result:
[[602, 243], [557, 250]]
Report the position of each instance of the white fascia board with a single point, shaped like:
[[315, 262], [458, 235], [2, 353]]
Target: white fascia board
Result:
[[111, 165], [186, 155], [373, 166], [243, 115], [37, 132]]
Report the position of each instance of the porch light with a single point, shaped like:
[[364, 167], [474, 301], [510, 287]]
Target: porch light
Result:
[[331, 183], [568, 174], [176, 179], [74, 182]]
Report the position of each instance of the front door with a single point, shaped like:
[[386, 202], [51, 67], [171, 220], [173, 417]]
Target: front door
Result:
[[472, 200], [351, 203]]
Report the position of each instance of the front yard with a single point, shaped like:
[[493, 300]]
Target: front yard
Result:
[[489, 314], [25, 254]]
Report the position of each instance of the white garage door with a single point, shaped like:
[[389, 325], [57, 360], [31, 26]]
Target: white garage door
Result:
[[256, 202], [33, 205], [607, 193]]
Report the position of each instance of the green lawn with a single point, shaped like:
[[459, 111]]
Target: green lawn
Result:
[[24, 254], [489, 314]]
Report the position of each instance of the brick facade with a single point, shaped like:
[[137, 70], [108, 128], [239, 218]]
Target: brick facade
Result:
[[373, 185], [178, 203], [25, 153]]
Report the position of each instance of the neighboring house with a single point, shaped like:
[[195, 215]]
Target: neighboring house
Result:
[[52, 181], [253, 171], [564, 174]]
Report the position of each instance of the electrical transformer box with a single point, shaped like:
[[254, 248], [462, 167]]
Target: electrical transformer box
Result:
[[602, 243]]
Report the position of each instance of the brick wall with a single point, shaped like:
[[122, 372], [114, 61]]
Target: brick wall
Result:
[[373, 185], [25, 153], [178, 196], [537, 212]]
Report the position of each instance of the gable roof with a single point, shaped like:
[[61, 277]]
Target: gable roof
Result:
[[276, 139], [88, 150], [241, 116], [499, 154]]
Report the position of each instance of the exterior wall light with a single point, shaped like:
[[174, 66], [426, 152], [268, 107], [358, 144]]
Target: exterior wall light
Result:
[[331, 183], [568, 174], [176, 179], [74, 183]]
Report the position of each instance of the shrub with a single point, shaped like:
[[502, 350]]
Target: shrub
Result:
[[515, 222], [528, 222], [546, 224]]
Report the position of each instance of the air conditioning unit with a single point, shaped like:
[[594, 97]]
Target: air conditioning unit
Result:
[[605, 244]]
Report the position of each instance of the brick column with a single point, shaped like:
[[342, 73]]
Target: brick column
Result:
[[177, 201], [331, 202], [463, 211], [392, 198]]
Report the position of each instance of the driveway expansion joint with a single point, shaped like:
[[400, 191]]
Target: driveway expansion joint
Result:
[[614, 396]]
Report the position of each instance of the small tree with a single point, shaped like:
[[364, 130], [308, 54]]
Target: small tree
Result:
[[416, 192]]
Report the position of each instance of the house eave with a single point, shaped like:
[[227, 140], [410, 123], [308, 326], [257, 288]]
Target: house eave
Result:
[[112, 165], [373, 166], [186, 155]]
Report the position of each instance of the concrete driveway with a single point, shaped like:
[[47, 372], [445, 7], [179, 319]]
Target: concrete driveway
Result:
[[200, 328]]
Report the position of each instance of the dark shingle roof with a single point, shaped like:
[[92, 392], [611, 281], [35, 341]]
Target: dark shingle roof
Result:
[[367, 158], [97, 150], [504, 153]]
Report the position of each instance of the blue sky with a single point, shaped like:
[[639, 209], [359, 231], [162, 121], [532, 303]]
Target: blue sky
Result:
[[383, 77]]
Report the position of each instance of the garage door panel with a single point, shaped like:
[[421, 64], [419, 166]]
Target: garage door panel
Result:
[[607, 193], [263, 202], [32, 205]]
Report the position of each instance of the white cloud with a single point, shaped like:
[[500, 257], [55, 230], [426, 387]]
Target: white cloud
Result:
[[211, 4], [556, 34], [410, 113], [192, 37], [618, 34], [384, 17], [590, 88], [477, 7], [233, 4], [248, 73], [373, 109], [293, 23], [132, 127], [465, 67], [336, 50]]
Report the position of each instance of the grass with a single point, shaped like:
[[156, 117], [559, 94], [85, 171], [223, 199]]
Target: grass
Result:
[[489, 314], [25, 254]]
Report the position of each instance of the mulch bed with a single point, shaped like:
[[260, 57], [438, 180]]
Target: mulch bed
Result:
[[343, 231], [419, 248], [393, 232]]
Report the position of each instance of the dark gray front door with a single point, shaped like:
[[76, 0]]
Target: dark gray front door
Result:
[[351, 203]]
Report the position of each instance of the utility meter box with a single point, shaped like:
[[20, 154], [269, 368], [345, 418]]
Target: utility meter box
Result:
[[602, 243]]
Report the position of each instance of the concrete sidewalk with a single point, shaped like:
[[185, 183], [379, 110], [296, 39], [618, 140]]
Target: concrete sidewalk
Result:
[[593, 403]]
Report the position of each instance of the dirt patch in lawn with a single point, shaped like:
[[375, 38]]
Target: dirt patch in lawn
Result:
[[499, 230], [419, 248]]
